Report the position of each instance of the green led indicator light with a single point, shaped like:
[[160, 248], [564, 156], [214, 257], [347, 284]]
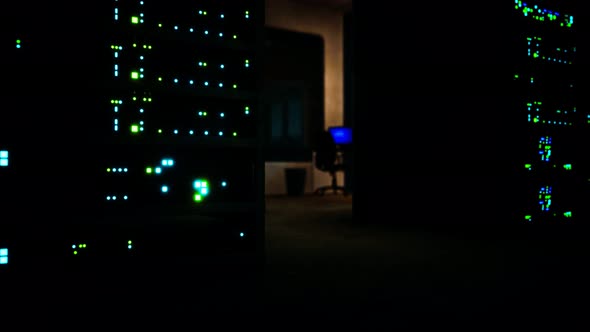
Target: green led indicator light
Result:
[[149, 170], [568, 167], [134, 19], [235, 86], [235, 134], [134, 75], [202, 189], [235, 36], [134, 128], [568, 214]]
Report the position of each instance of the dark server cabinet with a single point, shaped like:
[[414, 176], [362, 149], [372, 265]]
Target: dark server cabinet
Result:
[[130, 131], [547, 79], [468, 113]]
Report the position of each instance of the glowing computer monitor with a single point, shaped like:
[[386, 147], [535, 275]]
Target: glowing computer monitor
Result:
[[342, 135]]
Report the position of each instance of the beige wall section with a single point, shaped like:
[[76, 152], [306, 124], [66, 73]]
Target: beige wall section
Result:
[[328, 23], [275, 182]]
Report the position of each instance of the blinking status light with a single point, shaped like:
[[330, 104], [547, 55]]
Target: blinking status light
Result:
[[3, 158]]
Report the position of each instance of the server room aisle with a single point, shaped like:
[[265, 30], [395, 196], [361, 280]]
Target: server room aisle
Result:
[[322, 264], [323, 267]]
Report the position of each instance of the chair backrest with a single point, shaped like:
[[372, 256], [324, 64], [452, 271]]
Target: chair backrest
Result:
[[326, 152]]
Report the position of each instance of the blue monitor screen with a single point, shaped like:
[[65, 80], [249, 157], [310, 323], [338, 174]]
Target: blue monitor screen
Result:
[[341, 135]]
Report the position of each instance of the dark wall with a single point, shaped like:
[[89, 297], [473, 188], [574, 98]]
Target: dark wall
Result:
[[294, 83]]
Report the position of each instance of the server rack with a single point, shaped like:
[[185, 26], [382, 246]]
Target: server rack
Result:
[[547, 79], [443, 94], [131, 131]]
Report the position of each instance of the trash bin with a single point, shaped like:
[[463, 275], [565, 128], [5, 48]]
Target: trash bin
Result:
[[295, 178]]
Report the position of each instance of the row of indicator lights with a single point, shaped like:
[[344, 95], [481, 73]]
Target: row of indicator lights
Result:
[[538, 104], [537, 118], [18, 43], [114, 198], [149, 100], [517, 76], [117, 170], [3, 256], [120, 102], [139, 19], [536, 54], [541, 14], [205, 133], [545, 198], [136, 76], [77, 247], [567, 214], [221, 65], [3, 158], [205, 32], [222, 15], [136, 129], [117, 48], [567, 167]]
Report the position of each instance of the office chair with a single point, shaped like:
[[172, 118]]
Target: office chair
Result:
[[327, 159]]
